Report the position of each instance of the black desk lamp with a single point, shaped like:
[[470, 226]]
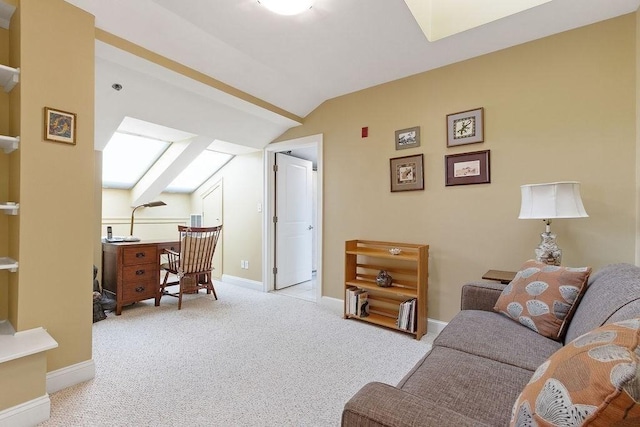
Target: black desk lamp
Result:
[[130, 238]]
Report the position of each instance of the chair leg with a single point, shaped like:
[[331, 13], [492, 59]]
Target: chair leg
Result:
[[210, 286], [180, 294], [160, 291]]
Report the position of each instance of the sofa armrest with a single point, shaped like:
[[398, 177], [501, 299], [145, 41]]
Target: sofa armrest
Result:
[[382, 405], [480, 295]]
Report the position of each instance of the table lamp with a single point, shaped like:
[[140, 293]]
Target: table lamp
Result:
[[131, 238], [546, 202]]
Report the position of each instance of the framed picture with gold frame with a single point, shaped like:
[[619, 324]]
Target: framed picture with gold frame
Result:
[[466, 127], [59, 126]]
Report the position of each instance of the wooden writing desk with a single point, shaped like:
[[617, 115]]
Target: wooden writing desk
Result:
[[131, 270]]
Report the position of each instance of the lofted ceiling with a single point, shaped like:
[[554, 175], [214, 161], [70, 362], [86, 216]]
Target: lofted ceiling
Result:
[[289, 64]]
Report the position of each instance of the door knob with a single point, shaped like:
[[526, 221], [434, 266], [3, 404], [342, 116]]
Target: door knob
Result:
[[310, 227]]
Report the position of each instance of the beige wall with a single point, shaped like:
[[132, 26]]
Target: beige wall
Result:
[[561, 108], [150, 223], [242, 181], [53, 235]]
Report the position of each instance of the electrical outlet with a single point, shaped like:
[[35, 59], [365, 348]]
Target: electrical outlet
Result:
[[241, 263], [246, 264]]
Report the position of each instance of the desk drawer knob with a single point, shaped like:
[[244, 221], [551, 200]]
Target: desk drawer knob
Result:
[[140, 255], [140, 289], [139, 272]]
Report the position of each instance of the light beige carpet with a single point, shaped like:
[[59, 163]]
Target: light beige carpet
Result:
[[248, 359]]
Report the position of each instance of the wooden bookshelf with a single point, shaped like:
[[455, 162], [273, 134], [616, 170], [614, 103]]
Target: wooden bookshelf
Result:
[[363, 261]]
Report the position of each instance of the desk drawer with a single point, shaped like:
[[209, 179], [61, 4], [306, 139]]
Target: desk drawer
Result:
[[138, 290], [139, 273], [139, 255]]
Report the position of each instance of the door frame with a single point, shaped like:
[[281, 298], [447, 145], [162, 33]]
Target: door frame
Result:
[[219, 250], [268, 228]]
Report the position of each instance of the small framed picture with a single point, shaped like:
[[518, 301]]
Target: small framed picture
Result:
[[466, 127], [467, 168], [59, 126], [408, 138], [407, 173]]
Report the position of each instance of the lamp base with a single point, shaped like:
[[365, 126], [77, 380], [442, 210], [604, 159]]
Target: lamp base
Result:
[[131, 239], [548, 251]]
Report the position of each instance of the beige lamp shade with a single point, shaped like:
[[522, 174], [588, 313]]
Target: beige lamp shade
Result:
[[551, 200]]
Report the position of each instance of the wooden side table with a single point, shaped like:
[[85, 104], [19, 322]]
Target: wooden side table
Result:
[[501, 276]]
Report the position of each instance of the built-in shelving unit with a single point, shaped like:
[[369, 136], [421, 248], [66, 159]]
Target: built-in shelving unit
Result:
[[406, 263], [9, 77], [9, 143]]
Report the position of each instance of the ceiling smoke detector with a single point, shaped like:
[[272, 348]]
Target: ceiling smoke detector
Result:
[[287, 7]]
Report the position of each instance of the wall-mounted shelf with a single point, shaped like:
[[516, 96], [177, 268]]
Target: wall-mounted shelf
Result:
[[8, 264], [9, 77], [9, 208], [9, 143]]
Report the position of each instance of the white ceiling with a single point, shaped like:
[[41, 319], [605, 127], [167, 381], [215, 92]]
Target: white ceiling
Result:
[[294, 63]]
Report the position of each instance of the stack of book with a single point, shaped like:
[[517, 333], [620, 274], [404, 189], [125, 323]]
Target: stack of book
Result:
[[357, 301], [407, 315]]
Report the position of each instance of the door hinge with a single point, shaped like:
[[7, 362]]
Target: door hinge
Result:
[[275, 270], [275, 168], [275, 219]]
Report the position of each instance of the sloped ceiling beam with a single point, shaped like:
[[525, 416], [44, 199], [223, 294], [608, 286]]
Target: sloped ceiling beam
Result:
[[173, 161]]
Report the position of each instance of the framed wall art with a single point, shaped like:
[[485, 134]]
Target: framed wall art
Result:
[[407, 173], [408, 138], [59, 126], [467, 168], [466, 127]]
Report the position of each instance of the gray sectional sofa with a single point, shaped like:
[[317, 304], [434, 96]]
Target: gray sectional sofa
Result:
[[482, 360]]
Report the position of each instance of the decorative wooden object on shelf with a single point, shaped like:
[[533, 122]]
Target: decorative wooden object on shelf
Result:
[[131, 271], [364, 259]]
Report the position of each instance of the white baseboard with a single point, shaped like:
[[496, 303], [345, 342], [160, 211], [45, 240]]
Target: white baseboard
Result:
[[27, 414], [436, 326], [245, 283], [337, 305], [334, 304], [70, 375]]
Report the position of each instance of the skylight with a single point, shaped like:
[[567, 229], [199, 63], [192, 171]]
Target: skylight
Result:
[[202, 168], [443, 18], [126, 158]]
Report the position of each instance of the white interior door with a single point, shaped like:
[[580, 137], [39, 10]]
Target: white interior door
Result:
[[293, 225], [212, 217]]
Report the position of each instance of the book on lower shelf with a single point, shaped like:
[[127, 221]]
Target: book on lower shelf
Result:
[[357, 301], [407, 315]]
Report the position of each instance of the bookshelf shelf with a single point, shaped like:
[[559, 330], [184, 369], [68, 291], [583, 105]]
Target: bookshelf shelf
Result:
[[9, 208], [409, 269], [9, 143], [9, 77], [8, 264]]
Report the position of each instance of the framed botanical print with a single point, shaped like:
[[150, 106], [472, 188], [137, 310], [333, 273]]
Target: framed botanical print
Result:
[[407, 173], [466, 127]]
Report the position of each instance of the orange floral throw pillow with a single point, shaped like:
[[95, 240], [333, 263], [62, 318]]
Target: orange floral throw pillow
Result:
[[594, 381], [543, 297]]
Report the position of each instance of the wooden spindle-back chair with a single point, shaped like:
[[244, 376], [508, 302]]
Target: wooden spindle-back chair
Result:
[[193, 264]]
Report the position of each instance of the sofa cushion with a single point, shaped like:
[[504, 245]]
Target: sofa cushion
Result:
[[543, 297], [473, 386], [594, 380], [613, 294], [490, 335]]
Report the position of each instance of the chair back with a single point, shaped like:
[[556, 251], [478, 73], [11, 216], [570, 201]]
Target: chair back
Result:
[[197, 245]]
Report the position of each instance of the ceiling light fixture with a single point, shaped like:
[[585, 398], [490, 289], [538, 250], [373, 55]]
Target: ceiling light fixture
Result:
[[287, 7]]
